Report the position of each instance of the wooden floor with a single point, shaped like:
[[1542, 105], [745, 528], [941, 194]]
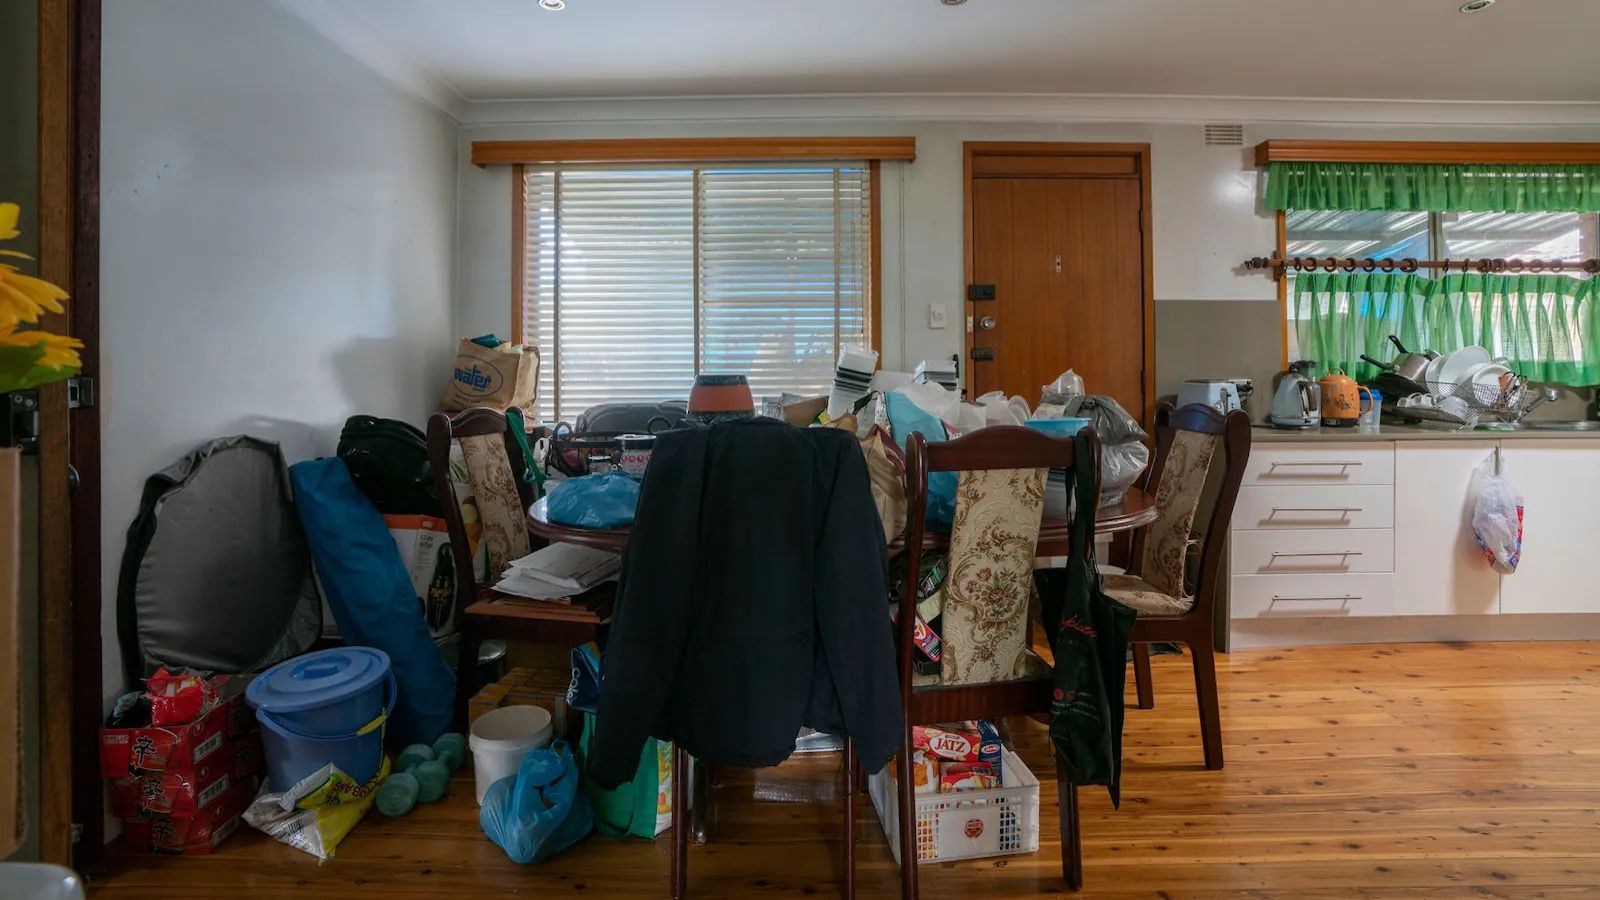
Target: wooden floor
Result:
[[1366, 771]]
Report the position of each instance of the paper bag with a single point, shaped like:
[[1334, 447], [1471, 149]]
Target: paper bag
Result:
[[492, 377]]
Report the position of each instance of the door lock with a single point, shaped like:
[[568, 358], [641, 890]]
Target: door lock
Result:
[[986, 323]]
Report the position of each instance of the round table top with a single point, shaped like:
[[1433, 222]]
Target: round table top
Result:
[[1136, 510]]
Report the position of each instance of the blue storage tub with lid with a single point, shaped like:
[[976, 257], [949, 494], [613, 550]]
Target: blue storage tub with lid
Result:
[[324, 707], [1058, 428]]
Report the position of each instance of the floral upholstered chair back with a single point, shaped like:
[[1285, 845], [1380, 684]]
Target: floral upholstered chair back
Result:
[[1170, 541], [993, 543], [499, 505]]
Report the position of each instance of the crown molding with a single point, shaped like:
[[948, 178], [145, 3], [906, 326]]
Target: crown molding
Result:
[[1028, 108], [349, 30]]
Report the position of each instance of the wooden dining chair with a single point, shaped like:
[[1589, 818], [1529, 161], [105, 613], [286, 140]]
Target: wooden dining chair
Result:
[[1175, 596], [1000, 496], [496, 470]]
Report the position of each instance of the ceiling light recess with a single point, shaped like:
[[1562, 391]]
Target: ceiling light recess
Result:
[[1472, 6], [553, 5], [952, 2]]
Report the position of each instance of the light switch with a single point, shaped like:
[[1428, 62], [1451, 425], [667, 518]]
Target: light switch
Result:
[[936, 316]]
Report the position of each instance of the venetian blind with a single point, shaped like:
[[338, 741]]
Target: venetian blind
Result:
[[636, 279]]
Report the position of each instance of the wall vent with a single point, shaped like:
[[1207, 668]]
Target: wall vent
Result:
[[1224, 135]]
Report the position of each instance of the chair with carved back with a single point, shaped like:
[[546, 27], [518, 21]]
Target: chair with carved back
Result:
[[987, 670], [496, 470], [1158, 584]]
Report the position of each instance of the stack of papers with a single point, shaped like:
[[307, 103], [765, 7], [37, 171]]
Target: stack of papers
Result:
[[559, 572]]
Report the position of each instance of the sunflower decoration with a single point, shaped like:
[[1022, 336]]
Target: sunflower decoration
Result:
[[29, 357]]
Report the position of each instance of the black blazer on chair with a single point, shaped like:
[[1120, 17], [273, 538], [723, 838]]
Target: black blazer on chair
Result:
[[753, 601]]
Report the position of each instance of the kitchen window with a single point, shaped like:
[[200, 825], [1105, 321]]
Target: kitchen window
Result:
[[633, 279], [1360, 234]]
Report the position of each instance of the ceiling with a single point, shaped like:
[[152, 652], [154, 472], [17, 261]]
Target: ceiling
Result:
[[1517, 50]]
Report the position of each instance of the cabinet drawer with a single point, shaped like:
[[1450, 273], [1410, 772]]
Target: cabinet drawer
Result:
[[1283, 551], [1290, 464], [1287, 596], [1315, 506]]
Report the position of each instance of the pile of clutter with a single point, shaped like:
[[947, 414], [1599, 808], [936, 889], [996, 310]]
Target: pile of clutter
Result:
[[182, 760]]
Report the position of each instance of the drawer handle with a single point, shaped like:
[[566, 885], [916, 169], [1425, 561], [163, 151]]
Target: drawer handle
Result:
[[1344, 599], [1277, 554], [1340, 463], [1337, 509]]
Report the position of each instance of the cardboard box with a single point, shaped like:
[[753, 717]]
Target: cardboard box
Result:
[[151, 749], [526, 687], [195, 836], [181, 794], [424, 545]]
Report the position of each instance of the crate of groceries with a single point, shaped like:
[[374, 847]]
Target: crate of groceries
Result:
[[974, 798]]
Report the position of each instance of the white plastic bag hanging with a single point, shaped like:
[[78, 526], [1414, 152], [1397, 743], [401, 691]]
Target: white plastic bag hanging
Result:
[[1497, 517]]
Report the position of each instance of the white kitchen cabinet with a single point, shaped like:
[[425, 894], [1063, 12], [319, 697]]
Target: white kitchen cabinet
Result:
[[1280, 465], [1439, 569], [1560, 482]]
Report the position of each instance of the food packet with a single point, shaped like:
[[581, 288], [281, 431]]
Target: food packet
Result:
[[179, 699]]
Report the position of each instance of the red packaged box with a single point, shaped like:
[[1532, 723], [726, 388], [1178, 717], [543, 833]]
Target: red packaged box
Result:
[[195, 836], [151, 749], [183, 794]]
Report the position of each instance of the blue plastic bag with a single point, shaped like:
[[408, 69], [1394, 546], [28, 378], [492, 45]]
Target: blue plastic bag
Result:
[[539, 811], [905, 417], [595, 501], [371, 595]]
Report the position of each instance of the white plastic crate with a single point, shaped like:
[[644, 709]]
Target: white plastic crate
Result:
[[966, 824]]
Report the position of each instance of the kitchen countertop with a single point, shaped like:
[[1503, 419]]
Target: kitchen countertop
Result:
[[1387, 432]]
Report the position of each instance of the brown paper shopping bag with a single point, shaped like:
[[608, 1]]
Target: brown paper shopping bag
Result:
[[489, 376]]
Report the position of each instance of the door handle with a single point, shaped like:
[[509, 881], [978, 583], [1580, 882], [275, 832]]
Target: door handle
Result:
[[1276, 554], [986, 323], [1328, 509]]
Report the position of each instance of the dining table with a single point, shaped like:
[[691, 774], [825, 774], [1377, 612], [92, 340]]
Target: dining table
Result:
[[1136, 509]]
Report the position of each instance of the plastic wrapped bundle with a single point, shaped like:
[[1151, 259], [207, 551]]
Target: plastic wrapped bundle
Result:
[[1123, 454]]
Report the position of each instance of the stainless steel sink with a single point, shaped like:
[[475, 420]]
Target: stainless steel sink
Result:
[[1577, 425]]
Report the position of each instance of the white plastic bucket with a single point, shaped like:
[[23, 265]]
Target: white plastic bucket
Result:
[[501, 738]]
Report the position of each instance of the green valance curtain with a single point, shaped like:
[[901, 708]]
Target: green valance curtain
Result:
[[1433, 187], [1546, 325]]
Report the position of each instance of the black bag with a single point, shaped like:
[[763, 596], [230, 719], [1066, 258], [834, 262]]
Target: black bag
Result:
[[1088, 633], [388, 459]]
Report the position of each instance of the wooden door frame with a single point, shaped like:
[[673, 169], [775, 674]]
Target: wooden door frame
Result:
[[1140, 153], [71, 808]]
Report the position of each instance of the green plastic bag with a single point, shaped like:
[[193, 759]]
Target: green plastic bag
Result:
[[641, 807]]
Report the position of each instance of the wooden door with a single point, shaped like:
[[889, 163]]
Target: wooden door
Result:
[[1066, 255]]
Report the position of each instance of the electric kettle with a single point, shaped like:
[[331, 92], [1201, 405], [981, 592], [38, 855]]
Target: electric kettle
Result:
[[1341, 399], [1298, 401]]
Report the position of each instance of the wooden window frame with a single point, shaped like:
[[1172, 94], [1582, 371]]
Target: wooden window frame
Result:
[[1082, 159], [692, 152], [1417, 152]]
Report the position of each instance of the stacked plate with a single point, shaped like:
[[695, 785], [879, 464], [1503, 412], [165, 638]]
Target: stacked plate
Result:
[[852, 379]]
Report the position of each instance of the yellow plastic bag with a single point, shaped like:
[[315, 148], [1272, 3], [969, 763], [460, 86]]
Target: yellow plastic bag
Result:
[[317, 813]]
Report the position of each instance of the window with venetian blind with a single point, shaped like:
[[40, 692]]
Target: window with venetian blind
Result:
[[636, 278]]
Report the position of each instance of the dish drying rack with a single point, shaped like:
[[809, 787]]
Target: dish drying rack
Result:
[[1485, 403]]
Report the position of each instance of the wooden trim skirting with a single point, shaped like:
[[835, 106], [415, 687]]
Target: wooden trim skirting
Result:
[[656, 150], [1446, 152]]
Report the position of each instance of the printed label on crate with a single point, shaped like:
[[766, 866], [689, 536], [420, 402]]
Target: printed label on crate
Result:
[[965, 831], [213, 792], [207, 747]]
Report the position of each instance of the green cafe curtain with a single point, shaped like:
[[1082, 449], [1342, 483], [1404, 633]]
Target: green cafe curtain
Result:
[[1546, 325], [1434, 188]]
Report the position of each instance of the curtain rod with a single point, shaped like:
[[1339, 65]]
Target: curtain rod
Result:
[[1277, 264]]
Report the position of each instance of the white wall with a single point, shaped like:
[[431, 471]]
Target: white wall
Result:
[[277, 230], [1207, 213]]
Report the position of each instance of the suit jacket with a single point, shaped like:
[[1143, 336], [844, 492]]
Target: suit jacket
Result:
[[753, 601]]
